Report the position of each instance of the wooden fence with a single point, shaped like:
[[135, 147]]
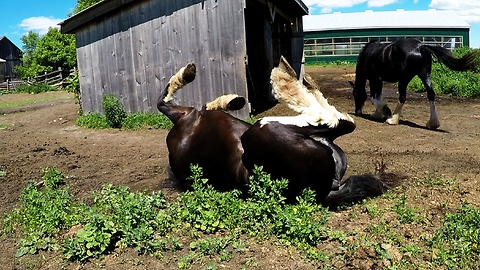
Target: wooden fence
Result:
[[54, 78]]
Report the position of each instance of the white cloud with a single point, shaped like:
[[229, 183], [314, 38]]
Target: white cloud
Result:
[[39, 24], [467, 9], [380, 3], [326, 6]]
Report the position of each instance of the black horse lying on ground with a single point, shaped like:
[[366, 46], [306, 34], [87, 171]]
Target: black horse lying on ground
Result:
[[299, 148], [400, 61]]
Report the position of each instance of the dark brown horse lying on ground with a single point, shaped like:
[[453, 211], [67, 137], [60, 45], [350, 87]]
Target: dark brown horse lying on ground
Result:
[[299, 148], [207, 137]]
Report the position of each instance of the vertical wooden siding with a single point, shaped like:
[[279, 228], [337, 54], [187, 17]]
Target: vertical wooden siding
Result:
[[135, 51]]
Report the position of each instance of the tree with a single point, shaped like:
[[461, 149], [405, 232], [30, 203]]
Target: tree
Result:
[[28, 68], [84, 4], [47, 53]]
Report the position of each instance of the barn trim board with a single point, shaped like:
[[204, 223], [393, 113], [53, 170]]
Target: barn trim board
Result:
[[130, 49]]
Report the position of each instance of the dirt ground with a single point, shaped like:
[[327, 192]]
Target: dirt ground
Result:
[[45, 135]]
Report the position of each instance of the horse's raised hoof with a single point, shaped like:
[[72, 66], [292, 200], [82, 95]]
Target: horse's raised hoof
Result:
[[236, 104], [376, 115], [387, 112]]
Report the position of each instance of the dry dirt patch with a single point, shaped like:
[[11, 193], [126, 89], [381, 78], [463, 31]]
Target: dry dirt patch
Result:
[[45, 135]]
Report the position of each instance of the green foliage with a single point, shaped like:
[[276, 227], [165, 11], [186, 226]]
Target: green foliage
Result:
[[405, 214], [114, 110], [43, 214], [47, 53], [92, 120], [4, 126], [458, 239], [90, 241], [211, 224], [136, 121], [82, 5], [35, 89], [73, 86], [211, 246], [133, 121], [455, 83], [29, 67], [136, 215], [206, 209], [302, 223]]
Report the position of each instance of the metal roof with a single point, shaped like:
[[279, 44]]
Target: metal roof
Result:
[[69, 26], [384, 19]]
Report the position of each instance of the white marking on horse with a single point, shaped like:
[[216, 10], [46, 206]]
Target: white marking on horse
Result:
[[434, 122], [175, 83], [396, 115], [221, 102], [379, 104], [308, 102]]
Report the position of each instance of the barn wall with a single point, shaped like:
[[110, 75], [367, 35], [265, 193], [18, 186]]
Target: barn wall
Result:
[[133, 53], [11, 54]]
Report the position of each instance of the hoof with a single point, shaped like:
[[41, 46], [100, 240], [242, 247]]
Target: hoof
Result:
[[392, 121], [386, 111], [376, 115], [358, 112], [433, 124]]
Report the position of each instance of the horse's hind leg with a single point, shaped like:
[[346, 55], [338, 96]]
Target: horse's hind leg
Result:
[[434, 122]]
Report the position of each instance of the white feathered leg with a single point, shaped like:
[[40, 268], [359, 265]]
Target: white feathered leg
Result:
[[434, 122], [396, 115]]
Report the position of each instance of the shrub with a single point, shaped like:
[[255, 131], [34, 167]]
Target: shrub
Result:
[[447, 81], [35, 89], [114, 110]]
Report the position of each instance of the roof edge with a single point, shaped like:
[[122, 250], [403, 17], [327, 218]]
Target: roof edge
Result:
[[101, 8]]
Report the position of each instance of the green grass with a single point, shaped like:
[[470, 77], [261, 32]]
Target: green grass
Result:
[[115, 117], [30, 101], [5, 126], [206, 227]]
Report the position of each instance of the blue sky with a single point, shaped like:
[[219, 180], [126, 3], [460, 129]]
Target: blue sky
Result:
[[39, 15]]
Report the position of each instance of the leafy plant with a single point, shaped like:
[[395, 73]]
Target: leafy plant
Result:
[[73, 86], [35, 89], [207, 209], [447, 81], [458, 239], [114, 110], [405, 214], [137, 121], [92, 120], [90, 241], [43, 214]]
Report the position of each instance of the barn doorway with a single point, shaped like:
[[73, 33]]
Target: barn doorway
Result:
[[268, 36]]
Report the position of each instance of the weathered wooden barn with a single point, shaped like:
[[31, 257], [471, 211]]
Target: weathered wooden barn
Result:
[[131, 49], [12, 56]]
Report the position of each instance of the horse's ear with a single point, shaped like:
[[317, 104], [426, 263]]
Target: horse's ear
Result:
[[352, 84]]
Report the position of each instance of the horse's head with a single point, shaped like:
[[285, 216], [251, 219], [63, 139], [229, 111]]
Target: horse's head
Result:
[[359, 97]]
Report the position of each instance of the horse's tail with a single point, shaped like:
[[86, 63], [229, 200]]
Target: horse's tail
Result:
[[359, 187], [468, 62]]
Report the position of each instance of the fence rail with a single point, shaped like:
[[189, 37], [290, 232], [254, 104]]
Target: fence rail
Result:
[[54, 78]]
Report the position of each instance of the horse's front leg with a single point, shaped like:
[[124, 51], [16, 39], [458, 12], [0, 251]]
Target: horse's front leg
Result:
[[381, 108], [402, 97], [434, 122]]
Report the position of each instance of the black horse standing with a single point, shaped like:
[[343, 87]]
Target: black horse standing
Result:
[[400, 61]]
